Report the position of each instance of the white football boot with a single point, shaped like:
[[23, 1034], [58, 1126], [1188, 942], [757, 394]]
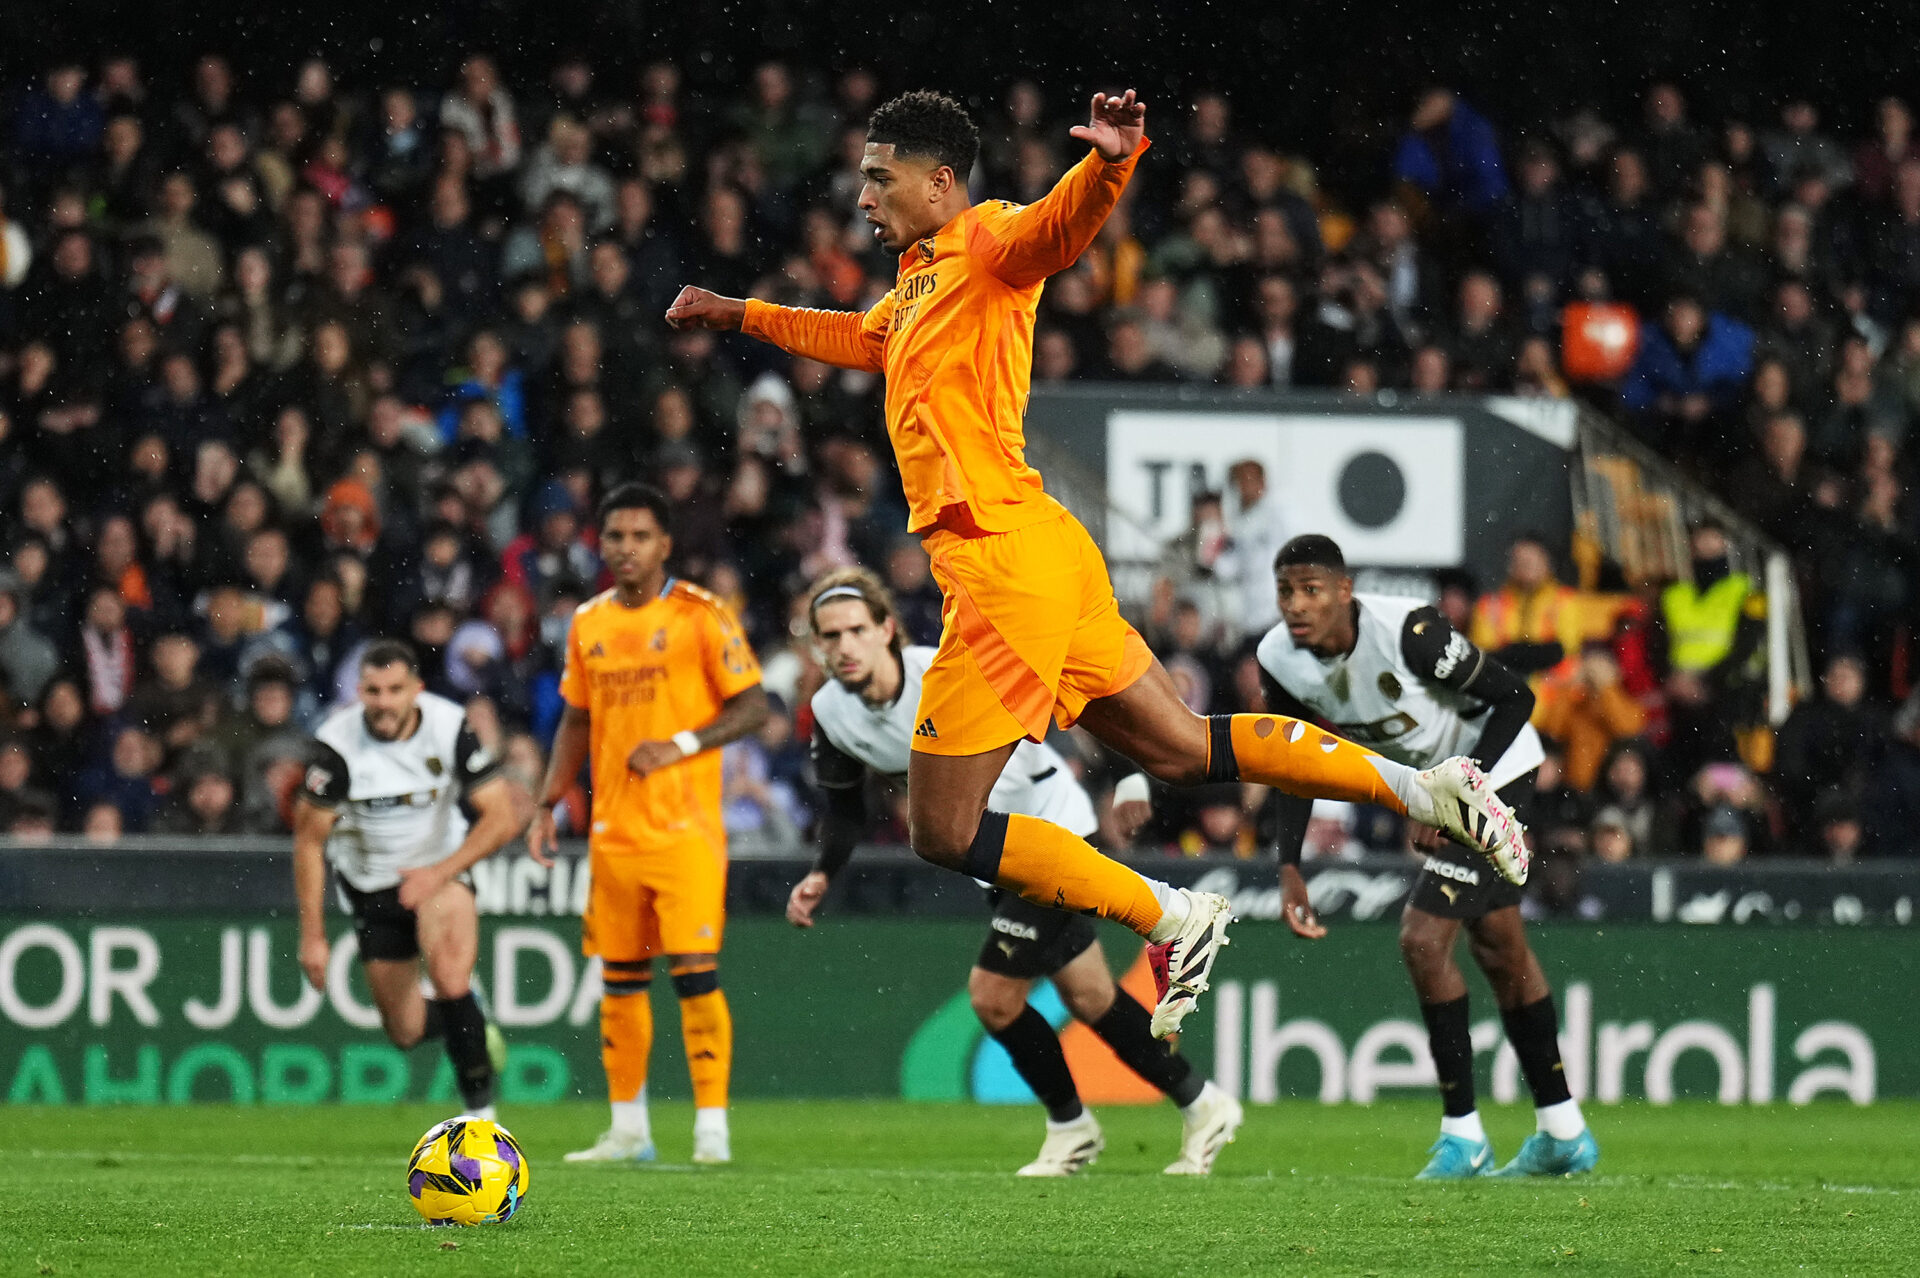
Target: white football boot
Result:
[[617, 1147], [1180, 966], [1206, 1127], [1067, 1148], [711, 1142], [1462, 803]]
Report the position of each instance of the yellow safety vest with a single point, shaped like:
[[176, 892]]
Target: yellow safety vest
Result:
[[1700, 627]]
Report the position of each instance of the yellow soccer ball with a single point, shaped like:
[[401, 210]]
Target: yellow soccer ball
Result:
[[467, 1171]]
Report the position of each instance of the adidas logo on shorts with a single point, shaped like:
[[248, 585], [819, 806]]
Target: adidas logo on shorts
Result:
[[926, 729]]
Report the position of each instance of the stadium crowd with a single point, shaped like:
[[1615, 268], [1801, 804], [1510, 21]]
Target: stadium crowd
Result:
[[284, 366]]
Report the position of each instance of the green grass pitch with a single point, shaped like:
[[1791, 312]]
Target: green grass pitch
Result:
[[920, 1190]]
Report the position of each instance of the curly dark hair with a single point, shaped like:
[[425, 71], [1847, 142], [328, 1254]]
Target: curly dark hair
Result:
[[929, 124]]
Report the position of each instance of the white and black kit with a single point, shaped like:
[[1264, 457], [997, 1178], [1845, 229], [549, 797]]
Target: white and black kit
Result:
[[1024, 941], [400, 806], [1419, 692]]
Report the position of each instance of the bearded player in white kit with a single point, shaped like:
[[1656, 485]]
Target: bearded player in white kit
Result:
[[1392, 674], [864, 719], [383, 801]]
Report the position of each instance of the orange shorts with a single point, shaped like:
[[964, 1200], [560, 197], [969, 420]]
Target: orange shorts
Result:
[[1030, 631], [640, 907]]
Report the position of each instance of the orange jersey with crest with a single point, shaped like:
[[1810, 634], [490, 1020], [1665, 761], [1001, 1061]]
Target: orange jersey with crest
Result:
[[643, 674], [955, 340]]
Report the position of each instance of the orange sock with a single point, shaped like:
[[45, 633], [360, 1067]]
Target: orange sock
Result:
[[707, 1027], [1297, 757], [626, 1040], [1048, 866]]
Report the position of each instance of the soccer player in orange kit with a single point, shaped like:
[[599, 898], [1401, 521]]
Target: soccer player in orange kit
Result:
[[658, 677], [1030, 629]]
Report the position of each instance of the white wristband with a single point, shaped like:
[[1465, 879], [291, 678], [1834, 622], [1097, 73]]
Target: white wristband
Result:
[[689, 743], [1132, 789]]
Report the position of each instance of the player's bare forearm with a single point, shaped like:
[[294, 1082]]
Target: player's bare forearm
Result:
[[743, 713], [505, 808], [311, 826], [569, 755]]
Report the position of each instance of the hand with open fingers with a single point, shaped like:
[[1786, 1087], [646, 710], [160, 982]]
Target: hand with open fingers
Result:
[[1295, 908], [805, 899], [1117, 123], [697, 308]]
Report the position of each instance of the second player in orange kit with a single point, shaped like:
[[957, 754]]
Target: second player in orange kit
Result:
[[658, 677]]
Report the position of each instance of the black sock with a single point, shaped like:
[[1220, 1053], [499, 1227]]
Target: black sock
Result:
[[1036, 1053], [1128, 1029], [1534, 1032], [466, 1030], [1451, 1039], [436, 1022]]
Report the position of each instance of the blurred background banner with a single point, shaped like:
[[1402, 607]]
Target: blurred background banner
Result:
[[172, 1001]]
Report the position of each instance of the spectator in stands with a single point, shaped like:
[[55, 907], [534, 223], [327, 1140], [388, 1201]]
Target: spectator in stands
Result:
[[1257, 526], [28, 659], [1584, 707], [1532, 622], [129, 779], [204, 802], [1829, 745], [1724, 837], [1451, 156], [1479, 344], [1686, 380], [1610, 839]]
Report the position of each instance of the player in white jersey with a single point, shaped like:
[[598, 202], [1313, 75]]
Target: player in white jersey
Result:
[[864, 720], [383, 800], [1392, 674]]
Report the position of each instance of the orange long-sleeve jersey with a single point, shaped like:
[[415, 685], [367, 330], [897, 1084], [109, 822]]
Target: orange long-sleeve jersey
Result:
[[955, 340]]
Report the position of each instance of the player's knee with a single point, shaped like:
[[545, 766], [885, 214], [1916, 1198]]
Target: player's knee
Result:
[[941, 838], [1088, 1003], [1420, 946], [694, 984], [623, 980], [996, 1000]]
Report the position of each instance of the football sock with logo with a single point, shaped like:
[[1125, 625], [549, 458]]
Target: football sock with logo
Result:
[[466, 1035], [1128, 1029], [706, 1026], [1049, 866], [1451, 1038], [1037, 1057], [626, 1029], [1303, 760], [1533, 1030]]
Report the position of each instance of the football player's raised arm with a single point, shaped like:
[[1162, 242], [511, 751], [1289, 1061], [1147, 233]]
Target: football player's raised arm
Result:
[[1438, 653], [845, 339], [1024, 245]]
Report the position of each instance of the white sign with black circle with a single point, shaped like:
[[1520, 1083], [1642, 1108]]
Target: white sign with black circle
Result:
[[1389, 489]]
